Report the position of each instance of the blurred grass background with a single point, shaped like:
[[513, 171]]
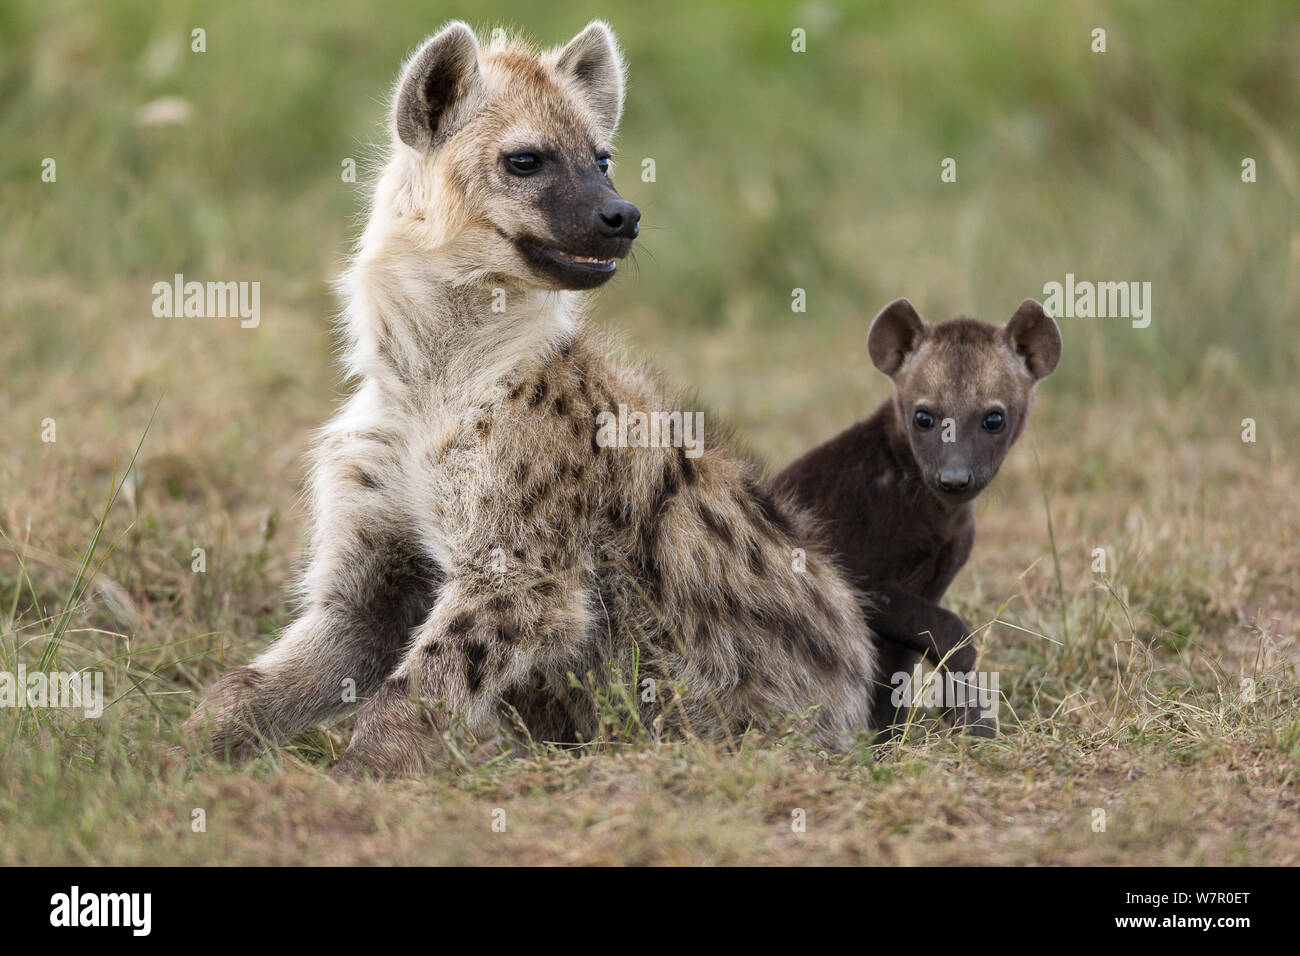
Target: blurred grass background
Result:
[[775, 170]]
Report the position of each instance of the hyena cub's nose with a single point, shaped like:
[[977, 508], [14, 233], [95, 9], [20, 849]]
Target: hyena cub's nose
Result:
[[618, 219], [954, 479]]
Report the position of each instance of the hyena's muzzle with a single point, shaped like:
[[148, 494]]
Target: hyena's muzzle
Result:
[[587, 225]]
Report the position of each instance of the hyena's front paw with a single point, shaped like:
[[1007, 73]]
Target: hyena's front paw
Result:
[[225, 724], [970, 717], [395, 736], [961, 661], [973, 721]]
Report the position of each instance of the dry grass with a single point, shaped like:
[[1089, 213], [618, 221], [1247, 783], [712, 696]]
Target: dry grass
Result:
[[1139, 713]]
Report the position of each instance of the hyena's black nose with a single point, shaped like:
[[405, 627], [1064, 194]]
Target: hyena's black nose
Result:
[[954, 479], [618, 219]]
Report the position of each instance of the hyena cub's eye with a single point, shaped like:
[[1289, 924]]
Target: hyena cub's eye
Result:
[[603, 164], [994, 422], [923, 419], [524, 164]]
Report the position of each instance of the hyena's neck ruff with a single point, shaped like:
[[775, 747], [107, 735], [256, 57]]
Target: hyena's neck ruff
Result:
[[427, 341], [475, 540]]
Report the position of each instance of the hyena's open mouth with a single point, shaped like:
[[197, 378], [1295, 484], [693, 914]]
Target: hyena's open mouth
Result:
[[572, 270]]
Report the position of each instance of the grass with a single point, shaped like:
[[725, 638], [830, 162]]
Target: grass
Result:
[[1125, 689]]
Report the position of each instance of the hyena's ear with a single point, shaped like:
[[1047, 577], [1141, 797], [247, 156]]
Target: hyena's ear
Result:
[[1032, 334], [894, 333], [593, 63], [438, 86]]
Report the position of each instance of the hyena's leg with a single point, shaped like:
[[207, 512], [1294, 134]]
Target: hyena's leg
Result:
[[365, 595], [922, 626], [478, 644], [911, 627]]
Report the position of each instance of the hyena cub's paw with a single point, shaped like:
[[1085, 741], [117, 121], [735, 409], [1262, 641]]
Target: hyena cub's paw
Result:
[[395, 736], [973, 721], [962, 661], [225, 723]]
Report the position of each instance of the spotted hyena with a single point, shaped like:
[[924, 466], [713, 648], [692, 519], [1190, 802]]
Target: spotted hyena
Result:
[[477, 535], [897, 490]]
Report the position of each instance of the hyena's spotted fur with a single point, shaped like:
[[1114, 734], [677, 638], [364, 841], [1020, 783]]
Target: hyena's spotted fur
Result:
[[473, 542]]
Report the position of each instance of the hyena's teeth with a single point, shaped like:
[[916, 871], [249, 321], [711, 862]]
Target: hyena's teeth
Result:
[[585, 260]]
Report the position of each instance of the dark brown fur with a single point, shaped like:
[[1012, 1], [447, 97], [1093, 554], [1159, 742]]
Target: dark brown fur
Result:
[[881, 487]]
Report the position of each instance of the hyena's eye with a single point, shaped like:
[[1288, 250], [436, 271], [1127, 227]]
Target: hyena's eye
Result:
[[923, 419], [524, 164], [994, 422], [603, 164]]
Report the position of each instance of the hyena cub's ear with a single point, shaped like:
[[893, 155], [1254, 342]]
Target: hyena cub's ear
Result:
[[1032, 334], [594, 65], [894, 333], [438, 88]]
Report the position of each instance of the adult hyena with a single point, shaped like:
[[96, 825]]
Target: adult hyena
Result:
[[474, 540]]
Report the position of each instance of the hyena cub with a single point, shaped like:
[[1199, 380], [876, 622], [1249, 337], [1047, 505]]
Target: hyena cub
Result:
[[896, 491], [476, 540]]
